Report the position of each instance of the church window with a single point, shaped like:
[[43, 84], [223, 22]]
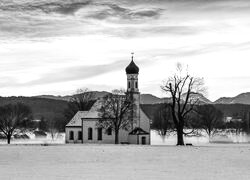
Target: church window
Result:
[[99, 134], [136, 84], [90, 133], [109, 131], [71, 135], [79, 135], [128, 84]]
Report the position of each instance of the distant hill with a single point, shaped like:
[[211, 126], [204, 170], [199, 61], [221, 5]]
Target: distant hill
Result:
[[198, 97], [151, 99], [62, 98], [50, 107], [243, 98], [53, 107], [223, 100], [145, 98], [203, 99], [96, 94], [41, 107]]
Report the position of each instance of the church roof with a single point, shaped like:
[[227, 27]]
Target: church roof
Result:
[[94, 114], [132, 68], [91, 114], [149, 113], [138, 131], [77, 119]]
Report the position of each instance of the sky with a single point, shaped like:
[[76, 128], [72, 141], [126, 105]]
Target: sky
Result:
[[56, 47]]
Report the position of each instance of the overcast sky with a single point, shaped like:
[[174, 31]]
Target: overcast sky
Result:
[[55, 47]]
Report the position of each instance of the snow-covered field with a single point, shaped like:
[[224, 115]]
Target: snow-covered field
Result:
[[230, 161]]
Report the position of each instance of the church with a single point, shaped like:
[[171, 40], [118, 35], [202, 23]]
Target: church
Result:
[[82, 127]]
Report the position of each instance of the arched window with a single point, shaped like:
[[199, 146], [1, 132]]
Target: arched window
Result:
[[90, 134], [79, 135], [71, 135], [129, 84], [109, 131], [136, 84], [99, 134]]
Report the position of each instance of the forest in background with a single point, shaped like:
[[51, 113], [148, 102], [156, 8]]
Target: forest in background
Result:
[[47, 109]]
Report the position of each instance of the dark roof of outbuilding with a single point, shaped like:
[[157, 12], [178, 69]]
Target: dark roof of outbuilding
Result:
[[138, 131], [132, 68]]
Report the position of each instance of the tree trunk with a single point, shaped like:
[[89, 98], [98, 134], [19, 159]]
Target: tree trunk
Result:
[[116, 137], [52, 135], [8, 138], [180, 141], [209, 136]]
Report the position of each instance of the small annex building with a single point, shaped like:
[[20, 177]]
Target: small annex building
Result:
[[82, 127]]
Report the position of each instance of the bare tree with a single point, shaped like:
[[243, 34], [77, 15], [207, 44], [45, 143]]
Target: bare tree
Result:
[[52, 127], [209, 119], [236, 124], [81, 101], [182, 88], [13, 116], [162, 121], [115, 111]]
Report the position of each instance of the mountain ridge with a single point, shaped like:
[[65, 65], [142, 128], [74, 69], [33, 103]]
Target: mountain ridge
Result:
[[243, 98]]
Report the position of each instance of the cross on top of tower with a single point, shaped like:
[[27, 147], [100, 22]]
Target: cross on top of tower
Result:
[[132, 68]]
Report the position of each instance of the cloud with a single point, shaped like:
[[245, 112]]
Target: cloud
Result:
[[45, 19], [71, 7], [146, 13], [67, 74], [187, 51], [76, 73], [111, 11], [62, 7], [174, 29]]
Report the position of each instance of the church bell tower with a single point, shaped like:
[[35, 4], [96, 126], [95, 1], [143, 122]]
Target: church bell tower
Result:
[[132, 71]]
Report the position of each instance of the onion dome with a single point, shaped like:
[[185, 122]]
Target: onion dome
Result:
[[132, 68]]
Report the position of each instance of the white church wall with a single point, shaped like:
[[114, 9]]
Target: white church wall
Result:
[[107, 139], [136, 97], [75, 130], [137, 139], [132, 139]]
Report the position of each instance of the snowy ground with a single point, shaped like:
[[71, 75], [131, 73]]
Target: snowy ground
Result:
[[217, 161]]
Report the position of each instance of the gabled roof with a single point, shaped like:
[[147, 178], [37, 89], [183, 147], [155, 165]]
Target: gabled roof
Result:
[[138, 131], [77, 119], [147, 113], [91, 114]]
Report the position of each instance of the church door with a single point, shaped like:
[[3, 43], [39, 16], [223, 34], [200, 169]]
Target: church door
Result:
[[143, 140]]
